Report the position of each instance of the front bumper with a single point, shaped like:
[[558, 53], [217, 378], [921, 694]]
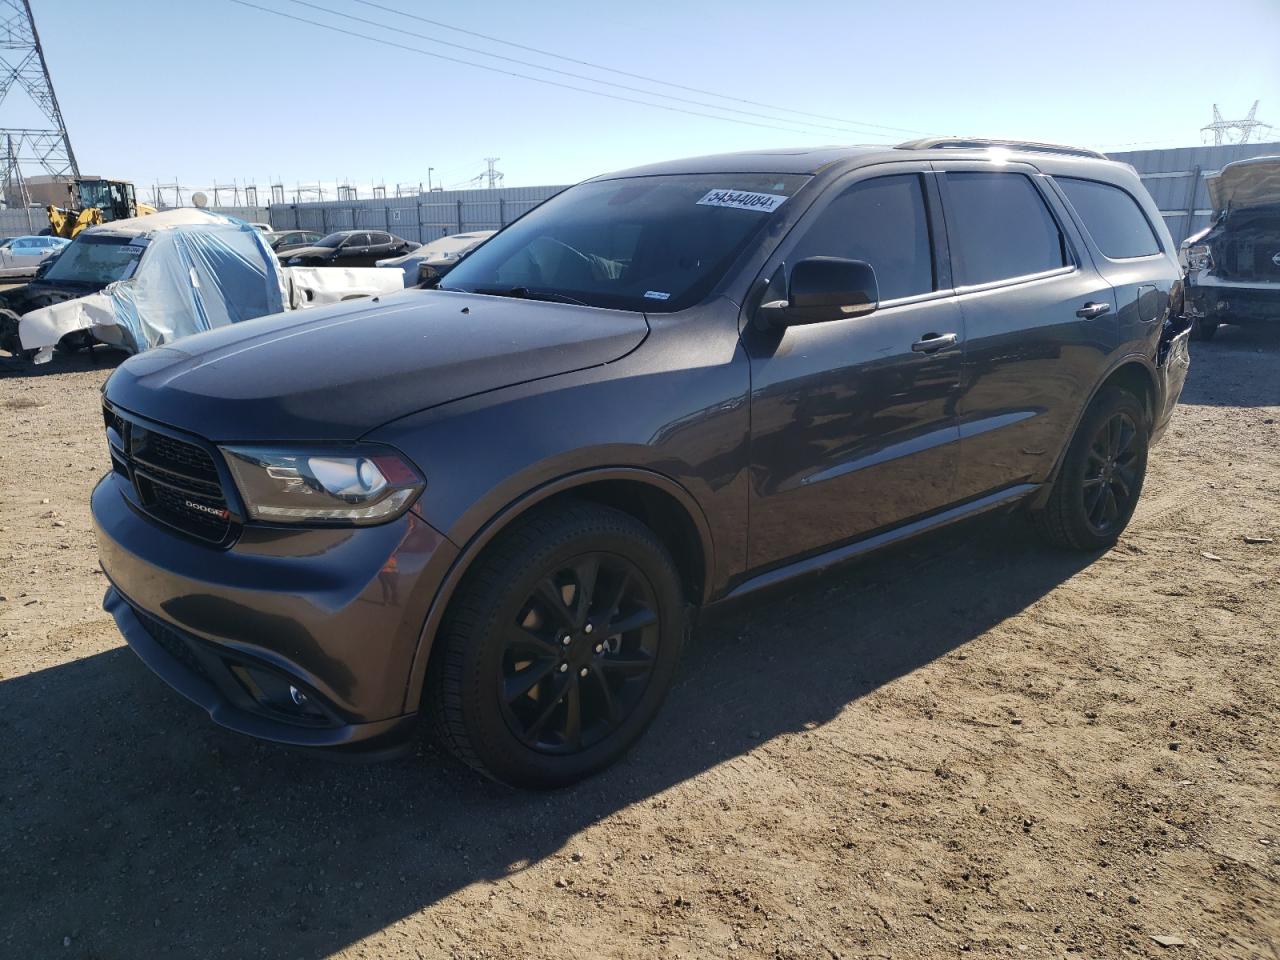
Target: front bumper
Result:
[[1235, 302], [335, 613]]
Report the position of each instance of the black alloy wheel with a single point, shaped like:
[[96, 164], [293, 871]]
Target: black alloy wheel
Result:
[[580, 654], [1098, 484], [558, 647], [1111, 479]]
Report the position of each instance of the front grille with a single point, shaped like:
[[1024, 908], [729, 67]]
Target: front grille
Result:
[[1264, 267], [176, 481]]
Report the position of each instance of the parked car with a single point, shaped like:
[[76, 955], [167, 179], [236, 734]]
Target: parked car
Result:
[[288, 241], [433, 260], [23, 256], [351, 248], [497, 504], [1233, 267], [148, 281]]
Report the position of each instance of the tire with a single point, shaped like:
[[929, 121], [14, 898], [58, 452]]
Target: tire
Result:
[[1202, 328], [511, 664], [1107, 459]]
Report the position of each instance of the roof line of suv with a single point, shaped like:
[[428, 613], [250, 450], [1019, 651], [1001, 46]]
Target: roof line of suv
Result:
[[1030, 146]]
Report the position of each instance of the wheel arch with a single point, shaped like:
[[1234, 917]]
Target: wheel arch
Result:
[[654, 499], [1134, 373]]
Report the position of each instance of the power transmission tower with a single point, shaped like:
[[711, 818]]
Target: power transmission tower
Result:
[[495, 176], [1221, 129], [22, 62]]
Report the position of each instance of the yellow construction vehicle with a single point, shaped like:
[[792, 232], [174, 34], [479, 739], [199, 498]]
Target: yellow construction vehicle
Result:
[[92, 201]]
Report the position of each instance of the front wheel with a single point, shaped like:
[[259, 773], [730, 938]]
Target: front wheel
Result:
[[1101, 478], [559, 647]]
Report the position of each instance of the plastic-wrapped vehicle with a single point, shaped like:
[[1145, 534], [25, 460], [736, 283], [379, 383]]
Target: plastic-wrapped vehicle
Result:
[[142, 282], [1233, 268]]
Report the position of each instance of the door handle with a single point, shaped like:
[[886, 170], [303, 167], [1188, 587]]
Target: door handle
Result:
[[933, 342], [1092, 310]]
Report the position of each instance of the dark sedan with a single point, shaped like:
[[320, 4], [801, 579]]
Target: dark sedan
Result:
[[289, 241], [351, 248]]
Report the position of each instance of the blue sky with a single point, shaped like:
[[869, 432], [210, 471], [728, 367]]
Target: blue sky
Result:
[[213, 90]]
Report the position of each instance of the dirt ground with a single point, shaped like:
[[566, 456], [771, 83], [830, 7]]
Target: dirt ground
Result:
[[971, 746]]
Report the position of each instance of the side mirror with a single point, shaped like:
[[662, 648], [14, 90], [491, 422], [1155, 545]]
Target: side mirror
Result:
[[825, 288]]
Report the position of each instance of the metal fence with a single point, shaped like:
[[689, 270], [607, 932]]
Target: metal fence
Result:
[[30, 221], [421, 218]]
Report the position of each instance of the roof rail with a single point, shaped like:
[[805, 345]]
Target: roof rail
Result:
[[961, 143]]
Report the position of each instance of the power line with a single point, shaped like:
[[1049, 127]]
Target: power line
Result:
[[512, 73], [633, 76], [580, 76]]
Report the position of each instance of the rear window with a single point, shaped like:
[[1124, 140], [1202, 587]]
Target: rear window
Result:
[[1000, 227], [1112, 217]]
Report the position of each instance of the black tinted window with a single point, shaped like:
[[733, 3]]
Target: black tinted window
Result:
[[381, 237], [1000, 227], [883, 222], [1112, 217]]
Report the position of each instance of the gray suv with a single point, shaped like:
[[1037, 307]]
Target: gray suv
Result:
[[498, 504]]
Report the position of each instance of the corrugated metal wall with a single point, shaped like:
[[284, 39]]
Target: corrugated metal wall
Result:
[[26, 221], [422, 218], [1175, 179]]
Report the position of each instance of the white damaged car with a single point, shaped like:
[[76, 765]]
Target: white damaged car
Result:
[[138, 283], [1233, 267]]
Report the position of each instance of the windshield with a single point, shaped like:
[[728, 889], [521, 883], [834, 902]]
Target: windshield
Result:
[[332, 240], [96, 260], [642, 243]]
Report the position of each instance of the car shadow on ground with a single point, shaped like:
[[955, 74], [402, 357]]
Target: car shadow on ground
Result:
[[133, 826], [1236, 368]]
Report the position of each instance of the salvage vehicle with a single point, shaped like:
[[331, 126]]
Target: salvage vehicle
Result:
[[135, 284], [433, 260], [499, 504], [23, 256], [351, 248], [1233, 267], [287, 241]]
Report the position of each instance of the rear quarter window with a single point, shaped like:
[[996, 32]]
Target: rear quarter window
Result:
[[1113, 218]]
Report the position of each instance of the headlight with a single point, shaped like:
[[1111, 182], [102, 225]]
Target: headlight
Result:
[[362, 485], [1199, 257]]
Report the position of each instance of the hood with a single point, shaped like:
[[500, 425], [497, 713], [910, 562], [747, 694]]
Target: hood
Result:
[[335, 373], [1245, 183]]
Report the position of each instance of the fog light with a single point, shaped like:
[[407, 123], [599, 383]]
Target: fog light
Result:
[[275, 693]]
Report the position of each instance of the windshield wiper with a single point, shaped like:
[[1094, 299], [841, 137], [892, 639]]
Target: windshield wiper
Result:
[[524, 293]]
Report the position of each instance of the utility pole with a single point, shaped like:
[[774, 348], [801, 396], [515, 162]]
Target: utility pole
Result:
[[495, 176], [22, 62], [1221, 128]]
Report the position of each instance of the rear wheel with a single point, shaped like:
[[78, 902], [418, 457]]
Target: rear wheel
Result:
[[1101, 478], [559, 647]]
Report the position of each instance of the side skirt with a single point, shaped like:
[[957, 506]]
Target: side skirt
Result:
[[848, 551]]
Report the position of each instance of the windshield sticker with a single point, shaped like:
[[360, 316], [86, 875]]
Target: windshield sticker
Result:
[[656, 295], [743, 200]]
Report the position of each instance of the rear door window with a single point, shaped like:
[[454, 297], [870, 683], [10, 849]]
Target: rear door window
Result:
[[1112, 217], [884, 222], [1000, 227]]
